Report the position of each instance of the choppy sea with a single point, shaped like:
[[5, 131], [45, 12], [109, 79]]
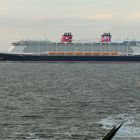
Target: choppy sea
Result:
[[69, 101]]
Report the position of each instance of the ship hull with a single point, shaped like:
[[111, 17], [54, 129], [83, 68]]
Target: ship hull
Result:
[[46, 58]]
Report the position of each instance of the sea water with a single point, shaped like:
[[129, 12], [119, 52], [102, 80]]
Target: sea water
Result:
[[69, 101]]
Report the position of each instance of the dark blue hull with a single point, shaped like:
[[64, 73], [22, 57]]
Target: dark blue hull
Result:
[[31, 57]]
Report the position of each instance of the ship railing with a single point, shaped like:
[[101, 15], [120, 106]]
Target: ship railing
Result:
[[136, 53], [126, 54], [83, 53]]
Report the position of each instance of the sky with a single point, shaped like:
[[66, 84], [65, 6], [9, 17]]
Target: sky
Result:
[[49, 19]]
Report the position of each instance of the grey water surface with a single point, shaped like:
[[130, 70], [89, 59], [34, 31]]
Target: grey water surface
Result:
[[69, 101]]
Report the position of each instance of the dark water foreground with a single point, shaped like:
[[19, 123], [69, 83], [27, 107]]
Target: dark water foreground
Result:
[[69, 101]]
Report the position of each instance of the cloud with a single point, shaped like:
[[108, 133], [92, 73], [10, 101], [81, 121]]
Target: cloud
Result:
[[43, 22], [133, 16], [103, 16], [61, 22]]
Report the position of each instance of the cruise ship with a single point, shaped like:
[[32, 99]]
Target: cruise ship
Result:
[[69, 50]]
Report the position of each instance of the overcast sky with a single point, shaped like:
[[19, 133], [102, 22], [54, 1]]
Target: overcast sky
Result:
[[86, 19]]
